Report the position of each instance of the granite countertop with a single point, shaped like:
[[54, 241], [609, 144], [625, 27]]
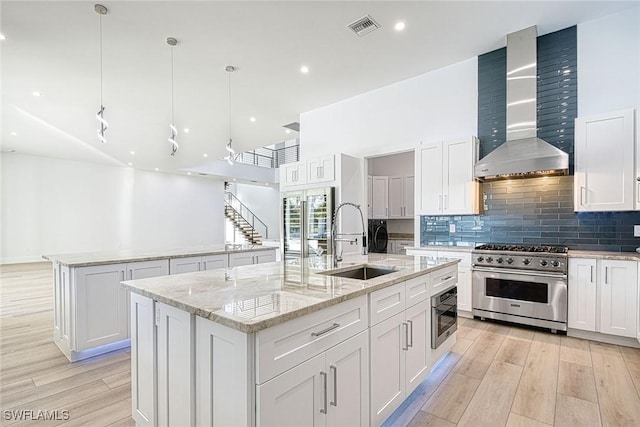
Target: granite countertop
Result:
[[625, 256], [130, 255], [443, 248], [251, 298]]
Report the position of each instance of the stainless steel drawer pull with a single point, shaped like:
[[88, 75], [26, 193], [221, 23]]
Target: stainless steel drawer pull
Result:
[[335, 385], [323, 410], [324, 331], [410, 343], [406, 336], [446, 278]]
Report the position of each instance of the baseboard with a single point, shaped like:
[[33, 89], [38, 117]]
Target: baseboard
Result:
[[605, 338], [465, 314]]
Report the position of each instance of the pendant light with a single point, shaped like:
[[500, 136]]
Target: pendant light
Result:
[[232, 156], [172, 127], [101, 10]]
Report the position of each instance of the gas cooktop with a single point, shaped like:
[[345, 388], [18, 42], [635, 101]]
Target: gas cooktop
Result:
[[522, 248]]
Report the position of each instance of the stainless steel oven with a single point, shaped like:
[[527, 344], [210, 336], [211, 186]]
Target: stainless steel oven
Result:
[[528, 287], [444, 316]]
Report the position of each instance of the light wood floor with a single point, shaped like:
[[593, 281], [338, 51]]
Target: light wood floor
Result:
[[496, 375]]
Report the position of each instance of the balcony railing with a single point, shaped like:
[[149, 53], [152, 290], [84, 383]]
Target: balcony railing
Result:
[[270, 158]]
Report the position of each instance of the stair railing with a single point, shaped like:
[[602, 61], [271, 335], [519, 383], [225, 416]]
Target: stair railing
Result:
[[245, 213]]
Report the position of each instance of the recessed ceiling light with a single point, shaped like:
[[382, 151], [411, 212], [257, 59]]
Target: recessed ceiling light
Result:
[[157, 169], [287, 131], [234, 179], [130, 164], [188, 173], [133, 153], [304, 69], [36, 93], [14, 134], [205, 155], [3, 37], [186, 130], [266, 183], [399, 26], [252, 119]]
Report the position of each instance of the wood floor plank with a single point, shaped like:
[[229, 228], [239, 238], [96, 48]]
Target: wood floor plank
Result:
[[513, 351], [572, 412], [471, 330], [577, 381], [452, 397], [422, 419], [125, 422], [634, 370], [631, 354], [490, 405], [103, 416], [575, 350], [461, 346], [116, 380], [478, 357], [617, 395], [516, 420], [115, 361], [536, 395], [521, 333]]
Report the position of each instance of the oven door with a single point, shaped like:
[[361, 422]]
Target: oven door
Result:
[[444, 317], [521, 293]]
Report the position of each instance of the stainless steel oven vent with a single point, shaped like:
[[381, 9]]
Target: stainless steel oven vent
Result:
[[363, 26]]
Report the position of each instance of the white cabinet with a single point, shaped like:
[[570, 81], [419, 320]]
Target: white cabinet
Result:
[[369, 197], [380, 197], [603, 296], [444, 177], [329, 389], [605, 175], [248, 258], [293, 174], [320, 170], [161, 364], [197, 263], [398, 246], [264, 256], [401, 196]]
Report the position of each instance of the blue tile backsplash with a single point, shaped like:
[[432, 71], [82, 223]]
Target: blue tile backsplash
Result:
[[534, 211]]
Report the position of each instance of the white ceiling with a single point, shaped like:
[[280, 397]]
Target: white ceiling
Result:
[[52, 47]]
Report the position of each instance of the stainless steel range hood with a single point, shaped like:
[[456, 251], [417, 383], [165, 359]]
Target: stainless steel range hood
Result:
[[523, 154]]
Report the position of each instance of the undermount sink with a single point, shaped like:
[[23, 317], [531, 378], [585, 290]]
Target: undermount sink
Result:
[[361, 273]]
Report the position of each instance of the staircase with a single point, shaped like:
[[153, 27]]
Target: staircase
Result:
[[250, 226]]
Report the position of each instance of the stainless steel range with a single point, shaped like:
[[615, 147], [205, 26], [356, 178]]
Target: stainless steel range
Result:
[[522, 284]]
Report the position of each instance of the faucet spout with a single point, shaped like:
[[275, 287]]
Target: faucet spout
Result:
[[334, 234]]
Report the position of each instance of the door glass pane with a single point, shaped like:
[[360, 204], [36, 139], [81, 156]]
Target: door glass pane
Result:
[[292, 223], [317, 223], [517, 289]]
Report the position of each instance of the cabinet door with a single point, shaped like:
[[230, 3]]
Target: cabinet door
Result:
[[101, 306], [458, 183], [418, 355], [320, 170], [388, 348], [240, 258], [175, 367], [464, 288], [369, 197], [348, 383], [429, 170], [144, 270], [184, 265], [409, 196], [604, 172], [582, 294], [618, 294], [296, 397], [396, 205], [143, 361], [380, 197], [295, 173], [211, 262], [265, 256]]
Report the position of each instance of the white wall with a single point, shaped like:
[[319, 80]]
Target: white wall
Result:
[[264, 202], [437, 105], [54, 206], [609, 63], [401, 164]]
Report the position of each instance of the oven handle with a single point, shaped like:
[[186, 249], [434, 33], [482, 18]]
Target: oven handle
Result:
[[520, 272]]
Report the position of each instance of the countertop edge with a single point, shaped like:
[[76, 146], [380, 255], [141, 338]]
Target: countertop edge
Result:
[[250, 328], [624, 256]]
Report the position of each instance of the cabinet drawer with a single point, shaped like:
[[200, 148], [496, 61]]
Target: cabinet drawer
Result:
[[386, 302], [465, 258], [286, 345], [417, 289], [444, 279]]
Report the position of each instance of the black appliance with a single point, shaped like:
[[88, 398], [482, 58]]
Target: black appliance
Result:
[[378, 236]]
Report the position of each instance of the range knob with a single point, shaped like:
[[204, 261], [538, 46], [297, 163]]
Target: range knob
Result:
[[499, 260], [555, 263], [489, 259], [543, 262], [526, 261], [480, 258], [509, 260]]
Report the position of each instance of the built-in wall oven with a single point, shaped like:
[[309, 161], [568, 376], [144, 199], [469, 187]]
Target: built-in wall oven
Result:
[[520, 284], [444, 316]]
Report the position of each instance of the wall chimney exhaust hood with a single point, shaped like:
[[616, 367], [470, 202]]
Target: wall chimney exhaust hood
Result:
[[523, 154]]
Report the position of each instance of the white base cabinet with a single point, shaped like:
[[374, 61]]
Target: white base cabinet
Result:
[[603, 296]]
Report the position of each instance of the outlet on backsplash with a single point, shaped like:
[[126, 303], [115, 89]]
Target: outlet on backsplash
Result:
[[636, 231], [452, 228]]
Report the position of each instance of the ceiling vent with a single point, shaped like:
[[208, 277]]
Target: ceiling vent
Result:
[[293, 126], [364, 25]]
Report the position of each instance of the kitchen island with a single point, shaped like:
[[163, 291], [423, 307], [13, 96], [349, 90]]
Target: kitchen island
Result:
[[91, 309], [284, 343]]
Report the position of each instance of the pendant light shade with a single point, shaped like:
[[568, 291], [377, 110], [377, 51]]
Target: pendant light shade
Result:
[[102, 122], [232, 156], [172, 127]]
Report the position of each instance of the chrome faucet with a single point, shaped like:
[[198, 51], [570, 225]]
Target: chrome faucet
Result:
[[334, 235]]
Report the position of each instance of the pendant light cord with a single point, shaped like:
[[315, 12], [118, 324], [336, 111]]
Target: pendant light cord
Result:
[[229, 107], [172, 91], [101, 103]]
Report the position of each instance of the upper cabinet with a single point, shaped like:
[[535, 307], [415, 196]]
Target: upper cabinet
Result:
[[379, 197], [605, 176], [292, 174], [401, 196], [320, 170], [304, 172], [444, 177]]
